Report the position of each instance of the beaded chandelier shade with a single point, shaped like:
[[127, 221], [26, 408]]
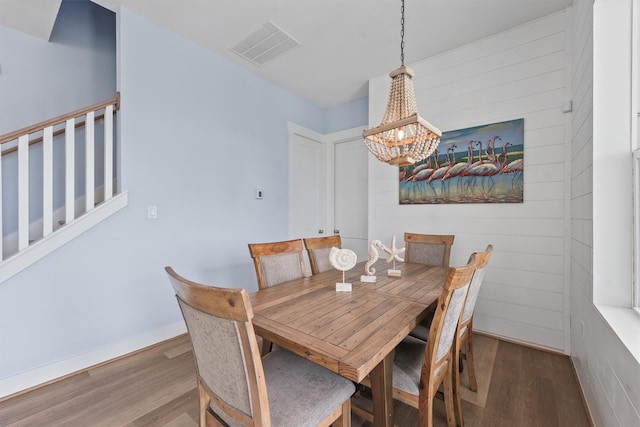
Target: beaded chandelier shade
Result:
[[403, 137]]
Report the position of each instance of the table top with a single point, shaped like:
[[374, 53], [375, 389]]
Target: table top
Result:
[[347, 332]]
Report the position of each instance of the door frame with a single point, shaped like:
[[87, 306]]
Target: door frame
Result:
[[295, 129], [332, 140], [329, 140]]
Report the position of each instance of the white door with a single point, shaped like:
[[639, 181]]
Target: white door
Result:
[[351, 194], [328, 191], [307, 189]]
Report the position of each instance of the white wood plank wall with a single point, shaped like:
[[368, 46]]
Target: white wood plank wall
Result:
[[519, 73]]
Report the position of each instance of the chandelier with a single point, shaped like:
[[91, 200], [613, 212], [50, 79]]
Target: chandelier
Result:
[[403, 137]]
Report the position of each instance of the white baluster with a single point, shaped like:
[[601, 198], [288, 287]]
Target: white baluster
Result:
[[23, 192], [108, 152], [70, 171], [89, 161], [47, 181]]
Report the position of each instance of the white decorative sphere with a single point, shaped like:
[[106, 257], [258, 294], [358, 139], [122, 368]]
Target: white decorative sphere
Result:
[[342, 259]]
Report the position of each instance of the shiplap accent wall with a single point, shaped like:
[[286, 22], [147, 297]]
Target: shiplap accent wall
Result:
[[519, 73]]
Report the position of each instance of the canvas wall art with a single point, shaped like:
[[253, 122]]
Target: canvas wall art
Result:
[[482, 164]]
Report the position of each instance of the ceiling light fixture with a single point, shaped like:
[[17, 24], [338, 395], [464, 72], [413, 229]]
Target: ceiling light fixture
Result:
[[403, 138]]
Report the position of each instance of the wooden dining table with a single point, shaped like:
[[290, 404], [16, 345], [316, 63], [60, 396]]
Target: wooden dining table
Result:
[[354, 333]]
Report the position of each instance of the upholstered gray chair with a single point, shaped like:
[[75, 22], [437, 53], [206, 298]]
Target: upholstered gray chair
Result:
[[465, 328], [464, 337], [318, 249], [277, 262], [432, 363], [430, 249], [419, 368], [238, 387]]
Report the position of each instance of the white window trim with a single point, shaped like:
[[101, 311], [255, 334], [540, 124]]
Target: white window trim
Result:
[[615, 130], [636, 231], [635, 102]]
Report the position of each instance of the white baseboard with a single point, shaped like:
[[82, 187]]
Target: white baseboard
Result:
[[26, 380]]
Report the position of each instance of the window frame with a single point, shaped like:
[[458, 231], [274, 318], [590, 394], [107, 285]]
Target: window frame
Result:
[[636, 230], [635, 151]]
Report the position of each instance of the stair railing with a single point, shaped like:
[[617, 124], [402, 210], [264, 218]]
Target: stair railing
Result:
[[64, 128]]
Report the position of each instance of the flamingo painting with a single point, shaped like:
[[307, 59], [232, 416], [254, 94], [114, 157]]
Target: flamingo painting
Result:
[[459, 168], [475, 173], [442, 170]]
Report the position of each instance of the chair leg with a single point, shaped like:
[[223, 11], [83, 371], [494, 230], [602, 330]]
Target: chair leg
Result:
[[204, 405], [345, 417], [473, 385], [266, 347], [455, 370], [448, 396], [425, 407]]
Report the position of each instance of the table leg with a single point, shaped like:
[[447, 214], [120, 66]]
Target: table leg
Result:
[[381, 392]]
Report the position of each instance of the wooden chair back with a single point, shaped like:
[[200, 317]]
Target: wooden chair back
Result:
[[437, 363], [318, 249], [464, 338], [277, 262], [482, 259], [229, 370], [447, 315], [429, 249]]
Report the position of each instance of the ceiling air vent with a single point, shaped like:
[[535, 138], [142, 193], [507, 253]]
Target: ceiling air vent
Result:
[[264, 44]]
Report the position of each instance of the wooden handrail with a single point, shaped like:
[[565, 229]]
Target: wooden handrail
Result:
[[39, 126], [56, 133]]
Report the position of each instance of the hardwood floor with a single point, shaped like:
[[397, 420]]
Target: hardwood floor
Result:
[[517, 386]]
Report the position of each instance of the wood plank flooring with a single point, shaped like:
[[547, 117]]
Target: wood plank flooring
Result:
[[517, 386]]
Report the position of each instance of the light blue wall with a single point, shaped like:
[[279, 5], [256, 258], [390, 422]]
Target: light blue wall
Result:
[[348, 115], [197, 136], [40, 80]]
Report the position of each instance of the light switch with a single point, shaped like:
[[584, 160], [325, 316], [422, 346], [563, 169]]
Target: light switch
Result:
[[152, 212], [258, 194]]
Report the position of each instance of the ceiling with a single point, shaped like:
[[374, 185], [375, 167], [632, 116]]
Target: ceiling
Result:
[[342, 43]]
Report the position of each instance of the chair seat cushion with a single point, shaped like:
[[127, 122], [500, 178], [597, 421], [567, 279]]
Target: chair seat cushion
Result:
[[300, 392], [407, 365], [422, 330]]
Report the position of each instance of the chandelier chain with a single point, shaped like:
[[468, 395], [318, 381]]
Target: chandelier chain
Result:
[[403, 137], [402, 35]]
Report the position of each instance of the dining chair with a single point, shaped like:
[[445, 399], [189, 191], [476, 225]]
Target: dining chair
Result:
[[277, 262], [238, 387], [465, 329], [430, 249], [420, 368], [318, 249]]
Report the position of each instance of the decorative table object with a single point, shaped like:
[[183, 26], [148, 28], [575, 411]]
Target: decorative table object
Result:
[[394, 254], [342, 260], [373, 257]]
